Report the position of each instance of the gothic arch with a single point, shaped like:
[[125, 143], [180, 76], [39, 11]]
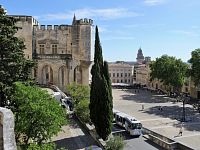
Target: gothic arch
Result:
[[77, 74], [62, 76], [47, 75]]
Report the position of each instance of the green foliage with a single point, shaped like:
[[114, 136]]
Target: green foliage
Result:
[[13, 67], [195, 69], [169, 70], [37, 115], [78, 92], [80, 95], [116, 143], [101, 104], [82, 110]]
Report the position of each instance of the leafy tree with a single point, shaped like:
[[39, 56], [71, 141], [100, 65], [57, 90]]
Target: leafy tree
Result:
[[80, 95], [100, 95], [169, 70], [13, 67], [195, 68], [37, 115], [78, 92]]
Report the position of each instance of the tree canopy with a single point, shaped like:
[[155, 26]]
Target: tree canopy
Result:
[[195, 68], [78, 92], [101, 103], [13, 67], [169, 70], [38, 116], [81, 98]]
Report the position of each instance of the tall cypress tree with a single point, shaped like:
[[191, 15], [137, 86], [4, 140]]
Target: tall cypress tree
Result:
[[13, 66], [101, 94]]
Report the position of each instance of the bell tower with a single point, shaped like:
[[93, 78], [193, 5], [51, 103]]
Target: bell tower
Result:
[[140, 56]]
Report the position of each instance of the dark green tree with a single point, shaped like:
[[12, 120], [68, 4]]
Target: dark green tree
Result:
[[101, 104], [170, 71], [195, 68], [13, 67]]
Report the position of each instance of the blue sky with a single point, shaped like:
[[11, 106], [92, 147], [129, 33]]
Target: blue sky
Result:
[[159, 27]]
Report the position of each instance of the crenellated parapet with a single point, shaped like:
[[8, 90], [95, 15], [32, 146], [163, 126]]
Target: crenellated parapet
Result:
[[84, 21], [28, 19], [51, 27]]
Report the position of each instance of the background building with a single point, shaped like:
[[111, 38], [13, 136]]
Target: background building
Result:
[[120, 72], [62, 52]]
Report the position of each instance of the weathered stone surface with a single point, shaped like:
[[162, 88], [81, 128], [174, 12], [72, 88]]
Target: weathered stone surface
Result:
[[7, 123], [49, 45]]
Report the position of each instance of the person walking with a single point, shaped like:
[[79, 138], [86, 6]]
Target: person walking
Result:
[[181, 130], [142, 107]]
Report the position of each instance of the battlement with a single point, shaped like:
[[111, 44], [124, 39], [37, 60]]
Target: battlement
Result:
[[51, 27], [84, 21], [28, 19]]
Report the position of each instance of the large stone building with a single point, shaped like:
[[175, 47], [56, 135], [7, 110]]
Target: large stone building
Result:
[[120, 72], [62, 52]]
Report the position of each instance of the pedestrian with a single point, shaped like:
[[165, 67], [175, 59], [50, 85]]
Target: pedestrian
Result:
[[181, 131], [142, 107]]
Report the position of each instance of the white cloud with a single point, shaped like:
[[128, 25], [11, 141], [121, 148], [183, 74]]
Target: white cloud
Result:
[[144, 25], [154, 2], [186, 33], [101, 14]]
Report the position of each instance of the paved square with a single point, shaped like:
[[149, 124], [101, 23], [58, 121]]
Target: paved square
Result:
[[165, 121]]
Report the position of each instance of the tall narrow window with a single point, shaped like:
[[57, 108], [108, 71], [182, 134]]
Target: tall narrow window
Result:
[[54, 48], [41, 48]]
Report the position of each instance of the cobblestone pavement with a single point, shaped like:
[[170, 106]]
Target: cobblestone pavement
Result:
[[73, 137], [165, 121]]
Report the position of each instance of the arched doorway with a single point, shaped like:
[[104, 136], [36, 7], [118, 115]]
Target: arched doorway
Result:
[[62, 76], [47, 75], [78, 74]]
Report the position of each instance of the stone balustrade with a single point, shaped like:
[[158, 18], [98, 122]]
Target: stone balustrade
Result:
[[7, 136]]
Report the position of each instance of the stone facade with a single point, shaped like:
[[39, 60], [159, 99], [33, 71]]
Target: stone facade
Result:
[[121, 72], [62, 52], [7, 135]]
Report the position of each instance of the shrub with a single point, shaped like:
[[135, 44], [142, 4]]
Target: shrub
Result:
[[115, 143]]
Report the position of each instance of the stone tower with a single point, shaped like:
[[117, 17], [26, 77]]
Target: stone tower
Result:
[[26, 24], [140, 57], [62, 52]]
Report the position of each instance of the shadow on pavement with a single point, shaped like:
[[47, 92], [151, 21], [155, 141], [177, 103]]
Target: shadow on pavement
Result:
[[71, 142], [176, 112], [145, 96]]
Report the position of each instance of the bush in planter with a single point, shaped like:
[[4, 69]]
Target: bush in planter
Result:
[[115, 143]]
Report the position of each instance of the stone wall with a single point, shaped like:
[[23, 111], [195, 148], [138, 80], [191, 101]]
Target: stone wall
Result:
[[7, 136]]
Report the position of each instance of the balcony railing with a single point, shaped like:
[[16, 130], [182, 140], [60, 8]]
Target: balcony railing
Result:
[[7, 136], [53, 56]]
